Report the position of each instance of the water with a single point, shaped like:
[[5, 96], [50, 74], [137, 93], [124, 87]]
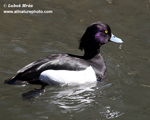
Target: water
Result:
[[124, 94]]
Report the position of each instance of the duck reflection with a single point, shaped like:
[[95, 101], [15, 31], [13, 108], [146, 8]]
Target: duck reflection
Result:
[[85, 97], [75, 97]]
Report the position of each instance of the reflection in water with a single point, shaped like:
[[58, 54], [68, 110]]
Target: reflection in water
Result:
[[75, 97], [81, 98]]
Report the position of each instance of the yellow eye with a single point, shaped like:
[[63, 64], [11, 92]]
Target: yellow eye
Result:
[[106, 31]]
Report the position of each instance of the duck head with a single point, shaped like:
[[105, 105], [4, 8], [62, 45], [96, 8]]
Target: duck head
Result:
[[95, 36]]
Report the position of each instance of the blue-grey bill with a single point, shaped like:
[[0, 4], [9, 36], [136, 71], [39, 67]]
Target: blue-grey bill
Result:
[[115, 39]]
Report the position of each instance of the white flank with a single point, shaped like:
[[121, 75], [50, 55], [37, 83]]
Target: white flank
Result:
[[63, 77]]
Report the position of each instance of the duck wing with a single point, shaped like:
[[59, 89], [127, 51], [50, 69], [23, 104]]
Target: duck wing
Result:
[[32, 71]]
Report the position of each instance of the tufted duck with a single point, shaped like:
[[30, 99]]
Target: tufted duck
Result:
[[94, 37]]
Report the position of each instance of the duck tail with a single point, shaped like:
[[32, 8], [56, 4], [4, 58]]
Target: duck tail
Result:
[[14, 80], [10, 81]]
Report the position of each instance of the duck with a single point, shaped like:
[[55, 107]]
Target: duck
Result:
[[65, 68]]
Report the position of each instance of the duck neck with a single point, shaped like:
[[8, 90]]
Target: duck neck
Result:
[[89, 54]]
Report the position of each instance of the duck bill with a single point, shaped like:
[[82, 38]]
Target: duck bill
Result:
[[115, 39]]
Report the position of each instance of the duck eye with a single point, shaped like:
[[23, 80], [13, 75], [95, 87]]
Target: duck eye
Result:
[[106, 31]]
